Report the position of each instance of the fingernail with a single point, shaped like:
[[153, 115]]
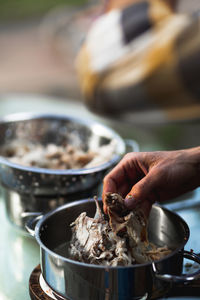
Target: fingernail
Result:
[[130, 201]]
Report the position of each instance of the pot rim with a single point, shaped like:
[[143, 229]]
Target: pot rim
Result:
[[26, 116], [68, 260]]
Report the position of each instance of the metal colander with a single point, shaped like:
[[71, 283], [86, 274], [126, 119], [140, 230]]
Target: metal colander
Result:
[[33, 189]]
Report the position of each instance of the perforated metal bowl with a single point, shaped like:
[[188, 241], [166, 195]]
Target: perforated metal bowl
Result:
[[33, 189]]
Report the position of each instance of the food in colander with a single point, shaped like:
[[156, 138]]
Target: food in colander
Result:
[[121, 241], [53, 156]]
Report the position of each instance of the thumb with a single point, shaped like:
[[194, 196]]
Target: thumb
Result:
[[142, 191]]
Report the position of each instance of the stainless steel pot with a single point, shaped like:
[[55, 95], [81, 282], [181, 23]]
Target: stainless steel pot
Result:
[[80, 281], [33, 189]]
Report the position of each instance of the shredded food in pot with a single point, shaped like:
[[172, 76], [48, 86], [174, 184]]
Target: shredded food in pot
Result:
[[121, 241]]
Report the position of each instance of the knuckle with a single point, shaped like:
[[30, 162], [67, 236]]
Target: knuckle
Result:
[[106, 178], [129, 156]]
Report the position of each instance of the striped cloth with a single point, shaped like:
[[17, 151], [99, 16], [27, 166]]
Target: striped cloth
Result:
[[141, 57]]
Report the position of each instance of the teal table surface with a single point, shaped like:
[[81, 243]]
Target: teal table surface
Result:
[[19, 254]]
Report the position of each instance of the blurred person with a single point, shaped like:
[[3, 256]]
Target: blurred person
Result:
[[143, 178], [142, 55]]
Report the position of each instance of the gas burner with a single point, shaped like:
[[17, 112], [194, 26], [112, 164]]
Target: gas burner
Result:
[[48, 291], [39, 289]]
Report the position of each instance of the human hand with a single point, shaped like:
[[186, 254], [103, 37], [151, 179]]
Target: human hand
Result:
[[143, 178]]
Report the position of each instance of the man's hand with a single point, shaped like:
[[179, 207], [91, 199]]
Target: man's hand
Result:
[[145, 177]]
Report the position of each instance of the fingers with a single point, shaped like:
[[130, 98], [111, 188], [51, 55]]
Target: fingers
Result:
[[120, 179], [128, 175], [108, 186], [123, 176], [143, 191], [146, 208], [144, 178]]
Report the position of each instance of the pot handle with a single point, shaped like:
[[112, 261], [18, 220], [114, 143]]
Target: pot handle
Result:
[[33, 218], [131, 146], [182, 278]]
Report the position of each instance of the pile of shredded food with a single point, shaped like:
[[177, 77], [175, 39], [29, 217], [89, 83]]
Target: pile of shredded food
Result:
[[121, 241], [52, 156]]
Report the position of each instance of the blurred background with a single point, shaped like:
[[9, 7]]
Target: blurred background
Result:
[[39, 41], [36, 55]]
